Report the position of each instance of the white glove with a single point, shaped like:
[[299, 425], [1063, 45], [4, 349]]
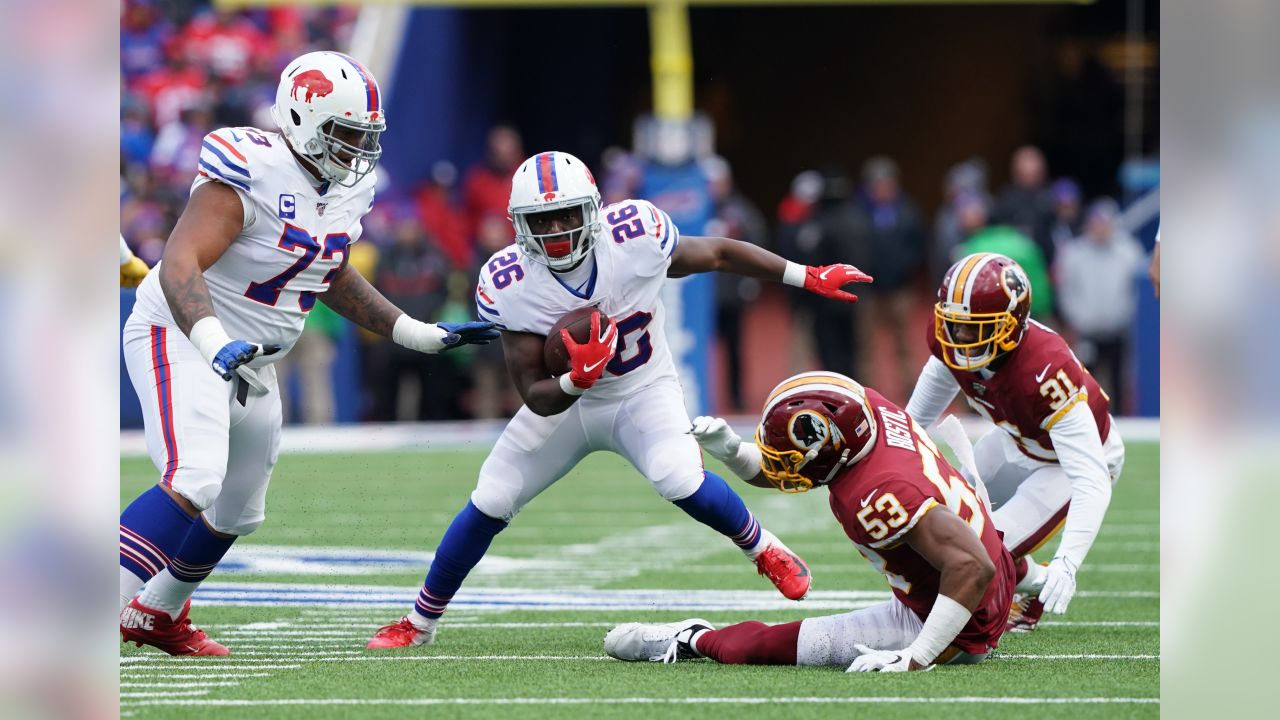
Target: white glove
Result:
[[1059, 586], [882, 660], [716, 437]]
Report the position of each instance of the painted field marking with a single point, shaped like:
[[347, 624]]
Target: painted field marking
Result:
[[150, 694], [588, 658], [668, 701], [127, 673], [181, 685]]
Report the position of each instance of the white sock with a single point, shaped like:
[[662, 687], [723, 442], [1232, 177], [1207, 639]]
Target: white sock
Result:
[[130, 584], [167, 593], [422, 622], [1033, 581], [765, 540]]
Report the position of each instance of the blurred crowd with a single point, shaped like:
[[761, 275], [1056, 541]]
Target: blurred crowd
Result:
[[187, 68]]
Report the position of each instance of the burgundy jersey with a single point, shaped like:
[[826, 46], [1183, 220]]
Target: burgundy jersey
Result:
[[1032, 387], [881, 498]]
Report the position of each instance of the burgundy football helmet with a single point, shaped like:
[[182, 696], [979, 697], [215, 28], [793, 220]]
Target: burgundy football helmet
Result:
[[982, 310], [814, 425]]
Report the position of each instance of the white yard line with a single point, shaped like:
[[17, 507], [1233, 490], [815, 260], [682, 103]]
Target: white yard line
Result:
[[150, 694], [579, 658], [1002, 656], [179, 685], [127, 673], [670, 701]]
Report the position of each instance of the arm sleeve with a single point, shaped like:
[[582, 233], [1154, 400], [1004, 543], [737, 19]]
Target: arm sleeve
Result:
[[648, 235], [221, 161], [934, 391], [1075, 438], [487, 299]]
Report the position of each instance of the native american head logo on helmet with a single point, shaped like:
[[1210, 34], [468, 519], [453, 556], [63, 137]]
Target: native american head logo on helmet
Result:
[[814, 425], [982, 310]]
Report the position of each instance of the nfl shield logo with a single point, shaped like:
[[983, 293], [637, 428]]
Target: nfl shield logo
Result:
[[980, 388], [320, 208]]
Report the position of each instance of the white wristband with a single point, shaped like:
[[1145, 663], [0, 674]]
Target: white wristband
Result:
[[794, 274], [417, 335], [746, 463], [208, 337], [125, 253], [566, 384], [945, 621]]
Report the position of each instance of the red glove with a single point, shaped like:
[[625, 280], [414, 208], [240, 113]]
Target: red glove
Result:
[[587, 360], [828, 279]]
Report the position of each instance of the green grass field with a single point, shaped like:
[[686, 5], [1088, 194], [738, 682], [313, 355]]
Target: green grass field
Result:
[[363, 523]]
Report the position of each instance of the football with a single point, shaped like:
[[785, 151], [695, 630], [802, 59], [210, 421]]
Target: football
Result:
[[578, 323]]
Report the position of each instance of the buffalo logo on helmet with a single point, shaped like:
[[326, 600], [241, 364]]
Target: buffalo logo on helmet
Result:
[[313, 83], [809, 430]]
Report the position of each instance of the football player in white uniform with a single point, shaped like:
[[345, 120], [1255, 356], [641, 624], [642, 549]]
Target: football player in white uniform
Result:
[[264, 234], [621, 393]]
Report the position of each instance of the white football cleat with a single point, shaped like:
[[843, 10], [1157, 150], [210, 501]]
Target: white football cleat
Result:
[[663, 643]]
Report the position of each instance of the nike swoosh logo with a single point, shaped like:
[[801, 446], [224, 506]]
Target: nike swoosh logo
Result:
[[234, 136], [589, 368], [867, 499], [823, 274], [1045, 371]]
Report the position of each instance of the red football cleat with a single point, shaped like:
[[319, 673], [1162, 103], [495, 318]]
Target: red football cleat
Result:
[[401, 634], [144, 626], [1024, 613], [785, 570]]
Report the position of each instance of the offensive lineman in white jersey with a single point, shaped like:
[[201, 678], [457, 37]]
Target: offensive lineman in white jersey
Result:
[[264, 234], [622, 393]]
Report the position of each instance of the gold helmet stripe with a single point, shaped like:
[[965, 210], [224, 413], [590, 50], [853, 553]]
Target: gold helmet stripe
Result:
[[961, 278], [813, 378]]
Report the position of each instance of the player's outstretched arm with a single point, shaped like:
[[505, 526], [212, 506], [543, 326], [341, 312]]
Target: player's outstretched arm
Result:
[[948, 543], [716, 254], [541, 392], [720, 442], [132, 268], [354, 298]]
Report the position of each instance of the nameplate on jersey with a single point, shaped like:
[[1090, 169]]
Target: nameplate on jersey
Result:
[[288, 207]]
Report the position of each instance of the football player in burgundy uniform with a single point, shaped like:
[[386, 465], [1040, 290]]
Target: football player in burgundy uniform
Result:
[[1054, 447], [913, 516]]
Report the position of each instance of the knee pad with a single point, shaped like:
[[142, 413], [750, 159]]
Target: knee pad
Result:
[[198, 485], [497, 492], [674, 475], [240, 527]]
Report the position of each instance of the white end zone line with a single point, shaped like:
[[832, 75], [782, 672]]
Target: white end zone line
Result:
[[668, 701]]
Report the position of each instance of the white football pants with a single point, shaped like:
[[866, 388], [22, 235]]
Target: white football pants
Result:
[[214, 442], [1030, 497], [829, 641], [650, 429]]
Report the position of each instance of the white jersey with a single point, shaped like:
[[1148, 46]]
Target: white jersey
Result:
[[295, 238], [631, 256]]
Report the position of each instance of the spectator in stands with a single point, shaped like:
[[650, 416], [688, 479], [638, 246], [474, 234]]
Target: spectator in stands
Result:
[[412, 273], [442, 219], [177, 147], [738, 218], [897, 259], [143, 33], [1099, 297], [225, 42], [970, 177], [1066, 213], [486, 191], [136, 135], [837, 231], [982, 237], [1026, 204], [311, 399]]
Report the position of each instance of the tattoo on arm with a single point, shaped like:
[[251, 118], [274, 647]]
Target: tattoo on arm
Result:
[[352, 297], [186, 292]]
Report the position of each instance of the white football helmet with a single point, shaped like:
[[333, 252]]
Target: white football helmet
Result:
[[554, 181], [329, 108]]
